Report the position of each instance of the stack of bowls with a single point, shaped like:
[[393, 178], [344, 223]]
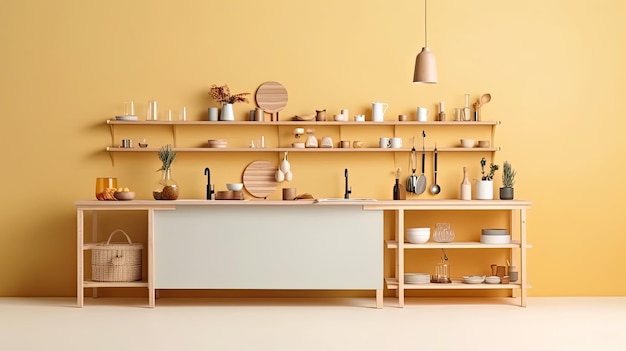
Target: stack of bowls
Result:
[[495, 236], [418, 235], [217, 143], [416, 278]]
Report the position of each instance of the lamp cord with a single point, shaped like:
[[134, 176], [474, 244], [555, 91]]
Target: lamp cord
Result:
[[425, 25]]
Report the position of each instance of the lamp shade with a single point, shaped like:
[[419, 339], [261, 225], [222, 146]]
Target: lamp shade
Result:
[[425, 67]]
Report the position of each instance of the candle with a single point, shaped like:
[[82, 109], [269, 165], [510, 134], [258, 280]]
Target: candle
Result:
[[184, 113], [169, 115], [466, 100], [441, 106]]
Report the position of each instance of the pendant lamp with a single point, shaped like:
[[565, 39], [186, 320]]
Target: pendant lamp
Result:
[[425, 65]]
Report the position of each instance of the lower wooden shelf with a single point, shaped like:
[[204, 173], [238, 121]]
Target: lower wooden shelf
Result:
[[93, 284], [457, 284]]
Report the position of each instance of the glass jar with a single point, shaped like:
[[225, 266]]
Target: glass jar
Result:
[[443, 233], [442, 272], [166, 188], [102, 184]]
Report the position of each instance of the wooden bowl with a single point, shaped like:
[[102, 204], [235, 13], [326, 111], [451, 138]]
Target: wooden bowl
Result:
[[225, 195], [124, 195]]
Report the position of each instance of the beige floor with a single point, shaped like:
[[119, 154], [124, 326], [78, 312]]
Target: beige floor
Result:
[[313, 324]]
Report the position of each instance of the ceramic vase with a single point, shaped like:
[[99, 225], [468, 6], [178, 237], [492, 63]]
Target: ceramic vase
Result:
[[227, 113], [484, 189], [166, 188]]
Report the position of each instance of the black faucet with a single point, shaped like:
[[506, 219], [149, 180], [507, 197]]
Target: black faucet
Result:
[[209, 189], [346, 195]]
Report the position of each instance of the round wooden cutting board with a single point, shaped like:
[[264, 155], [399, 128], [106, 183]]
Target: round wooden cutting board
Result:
[[258, 178], [271, 97]]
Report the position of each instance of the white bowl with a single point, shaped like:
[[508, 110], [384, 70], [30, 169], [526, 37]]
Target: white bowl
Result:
[[473, 279], [418, 235], [494, 231], [298, 145], [493, 279], [495, 239], [234, 186], [467, 142]]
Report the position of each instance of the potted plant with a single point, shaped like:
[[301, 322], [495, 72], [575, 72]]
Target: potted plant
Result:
[[508, 180], [222, 95], [484, 187], [166, 188]]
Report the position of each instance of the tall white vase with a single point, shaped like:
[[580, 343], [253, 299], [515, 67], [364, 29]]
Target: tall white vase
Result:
[[484, 189], [227, 113]]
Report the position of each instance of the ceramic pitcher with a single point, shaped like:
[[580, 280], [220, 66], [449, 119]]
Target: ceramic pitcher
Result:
[[378, 111]]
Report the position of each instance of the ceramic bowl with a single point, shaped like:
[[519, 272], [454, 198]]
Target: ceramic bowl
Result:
[[234, 186], [339, 118], [483, 143], [493, 279], [495, 239], [495, 231], [124, 195], [298, 145], [467, 142], [418, 235], [217, 143]]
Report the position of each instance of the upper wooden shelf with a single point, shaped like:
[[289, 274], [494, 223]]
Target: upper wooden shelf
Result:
[[291, 149], [306, 123]]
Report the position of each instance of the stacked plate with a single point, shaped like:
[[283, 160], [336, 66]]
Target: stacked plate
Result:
[[416, 278], [495, 236], [217, 143], [473, 279], [126, 118]]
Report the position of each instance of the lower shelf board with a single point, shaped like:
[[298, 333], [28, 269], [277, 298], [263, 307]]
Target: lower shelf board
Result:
[[457, 284], [93, 284]]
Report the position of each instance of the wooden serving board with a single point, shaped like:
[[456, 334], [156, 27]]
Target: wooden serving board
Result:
[[258, 178], [271, 97]]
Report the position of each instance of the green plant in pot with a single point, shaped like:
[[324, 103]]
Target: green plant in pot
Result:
[[484, 186], [508, 181], [166, 188]]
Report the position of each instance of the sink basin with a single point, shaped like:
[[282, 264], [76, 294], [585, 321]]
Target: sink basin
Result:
[[337, 199]]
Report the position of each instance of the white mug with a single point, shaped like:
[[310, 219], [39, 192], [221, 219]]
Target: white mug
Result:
[[422, 114], [395, 143], [378, 111], [384, 143]]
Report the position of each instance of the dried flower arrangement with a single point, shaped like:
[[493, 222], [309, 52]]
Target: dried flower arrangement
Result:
[[222, 94]]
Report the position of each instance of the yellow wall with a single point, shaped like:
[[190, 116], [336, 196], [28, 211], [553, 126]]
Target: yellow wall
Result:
[[554, 69]]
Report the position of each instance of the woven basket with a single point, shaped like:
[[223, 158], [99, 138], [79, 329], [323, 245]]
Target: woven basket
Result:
[[116, 262]]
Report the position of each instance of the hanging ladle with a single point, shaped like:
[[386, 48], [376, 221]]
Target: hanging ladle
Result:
[[435, 188]]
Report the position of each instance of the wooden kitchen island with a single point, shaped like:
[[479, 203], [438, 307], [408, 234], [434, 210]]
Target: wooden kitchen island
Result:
[[209, 244], [304, 244]]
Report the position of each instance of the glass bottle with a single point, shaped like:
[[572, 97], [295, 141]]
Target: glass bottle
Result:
[[466, 186]]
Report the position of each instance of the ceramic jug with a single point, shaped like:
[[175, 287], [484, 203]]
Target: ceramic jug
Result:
[[422, 114], [378, 111], [320, 115]]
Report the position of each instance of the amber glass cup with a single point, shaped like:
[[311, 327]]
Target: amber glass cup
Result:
[[104, 183]]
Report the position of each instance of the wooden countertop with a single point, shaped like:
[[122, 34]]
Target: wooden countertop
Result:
[[426, 204]]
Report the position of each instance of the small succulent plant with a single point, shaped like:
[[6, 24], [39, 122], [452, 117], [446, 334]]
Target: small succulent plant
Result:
[[508, 175]]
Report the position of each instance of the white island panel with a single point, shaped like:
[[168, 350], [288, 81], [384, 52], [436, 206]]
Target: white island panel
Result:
[[265, 247]]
